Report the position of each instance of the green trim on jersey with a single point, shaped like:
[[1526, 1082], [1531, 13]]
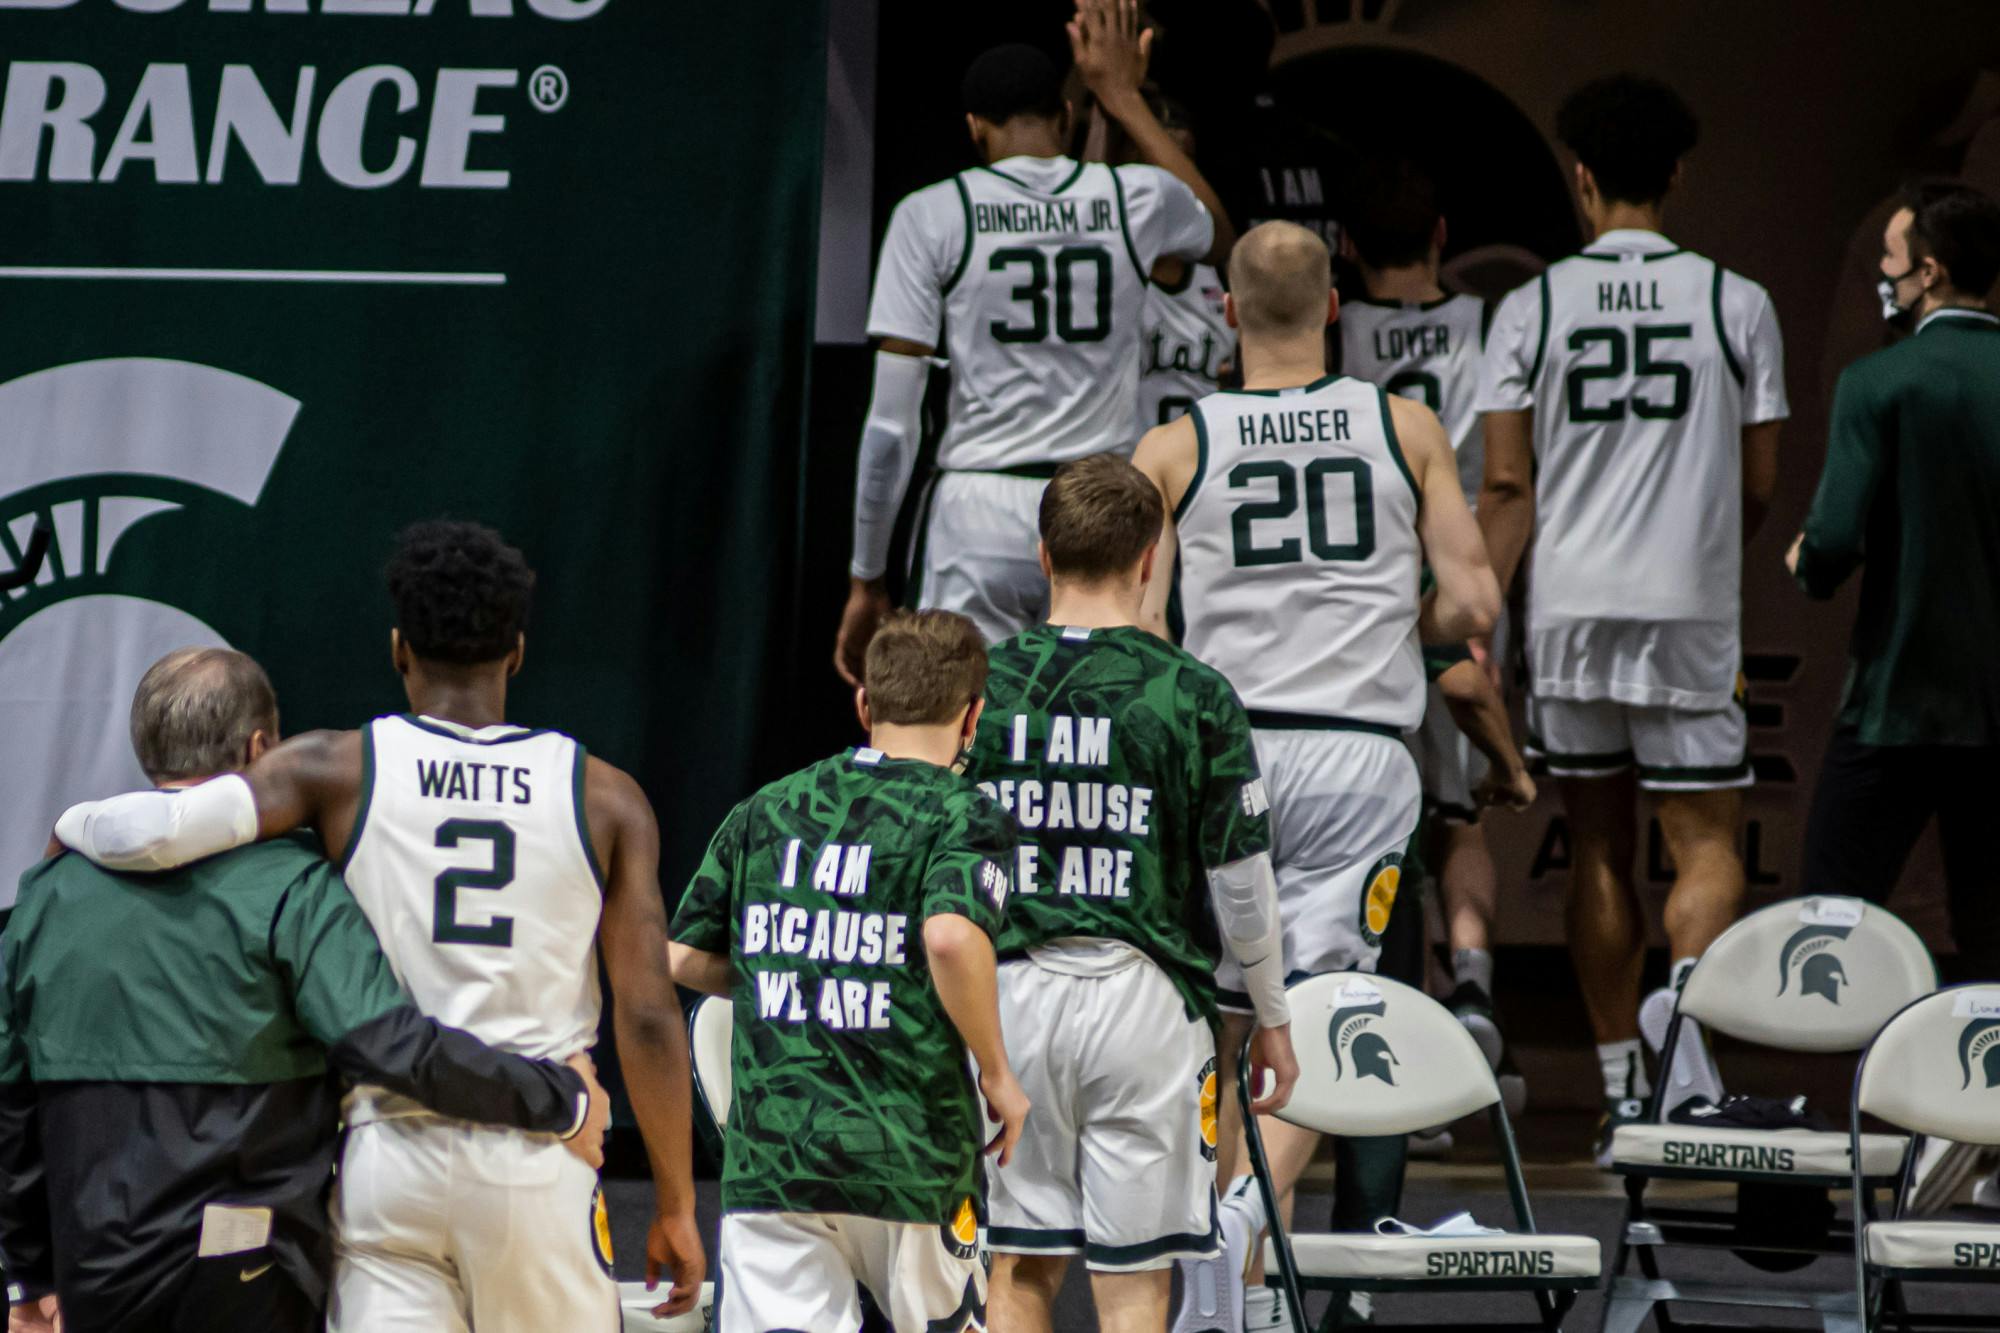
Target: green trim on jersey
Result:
[[1384, 303], [1271, 719], [582, 821], [1709, 773], [1319, 383], [1618, 256], [1486, 309], [1187, 280], [965, 253], [1035, 1240], [1541, 342], [1396, 446], [1125, 230], [366, 799], [1024, 471], [1200, 467], [1722, 337], [1068, 180], [425, 724]]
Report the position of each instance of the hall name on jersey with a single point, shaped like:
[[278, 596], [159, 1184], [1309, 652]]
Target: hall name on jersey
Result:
[[1059, 805], [1634, 295], [465, 780], [1056, 215], [824, 935], [1300, 425]]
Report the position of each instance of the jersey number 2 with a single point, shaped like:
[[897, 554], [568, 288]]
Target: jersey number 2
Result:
[[1286, 503], [446, 928], [1034, 289]]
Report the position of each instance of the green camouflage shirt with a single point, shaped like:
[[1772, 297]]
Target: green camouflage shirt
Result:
[[851, 1089], [1129, 767]]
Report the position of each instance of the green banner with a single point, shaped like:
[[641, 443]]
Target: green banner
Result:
[[279, 276]]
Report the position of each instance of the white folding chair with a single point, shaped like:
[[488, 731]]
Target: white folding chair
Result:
[[711, 1027], [1817, 975], [1378, 1057], [1934, 1071]]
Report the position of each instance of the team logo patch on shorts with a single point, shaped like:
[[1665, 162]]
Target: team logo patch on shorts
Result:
[[961, 1234], [1205, 1081], [1385, 878], [600, 1230]]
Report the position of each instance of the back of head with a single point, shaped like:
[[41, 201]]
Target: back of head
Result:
[[1012, 80], [1395, 216], [1631, 132], [923, 668], [195, 711], [461, 593], [1279, 276], [1959, 226], [1099, 517]]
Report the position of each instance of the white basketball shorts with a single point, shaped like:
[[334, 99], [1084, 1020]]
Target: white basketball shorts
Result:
[[799, 1270], [1674, 749], [977, 552]]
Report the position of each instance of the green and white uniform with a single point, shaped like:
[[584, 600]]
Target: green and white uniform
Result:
[[472, 858], [1642, 364], [1430, 351], [1298, 580], [1130, 769], [1030, 275], [1183, 342], [852, 1148]]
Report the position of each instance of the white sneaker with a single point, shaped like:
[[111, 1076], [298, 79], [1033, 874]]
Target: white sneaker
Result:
[[1986, 1194], [1694, 1073], [1212, 1289], [1264, 1311]]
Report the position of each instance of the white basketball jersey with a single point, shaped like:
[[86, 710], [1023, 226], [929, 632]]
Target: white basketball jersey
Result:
[[1642, 364], [1184, 338], [1036, 268], [1428, 351], [472, 859], [1299, 554]]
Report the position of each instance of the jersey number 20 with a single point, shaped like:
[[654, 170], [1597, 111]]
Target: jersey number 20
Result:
[[446, 928], [1033, 288], [1316, 476]]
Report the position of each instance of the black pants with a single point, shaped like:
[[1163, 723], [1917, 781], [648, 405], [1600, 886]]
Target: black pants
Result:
[[1872, 805], [212, 1297]]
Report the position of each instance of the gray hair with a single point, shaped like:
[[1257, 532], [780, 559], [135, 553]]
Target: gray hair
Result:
[[195, 711]]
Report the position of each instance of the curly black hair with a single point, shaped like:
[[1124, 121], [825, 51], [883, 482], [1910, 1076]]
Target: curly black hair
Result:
[[1631, 132], [461, 592]]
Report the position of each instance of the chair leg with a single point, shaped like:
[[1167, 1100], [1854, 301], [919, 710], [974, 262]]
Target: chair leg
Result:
[[1625, 1314]]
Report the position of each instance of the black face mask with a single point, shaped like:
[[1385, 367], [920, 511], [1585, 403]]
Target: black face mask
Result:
[[1897, 316]]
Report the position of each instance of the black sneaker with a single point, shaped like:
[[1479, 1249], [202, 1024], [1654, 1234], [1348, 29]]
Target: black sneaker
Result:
[[1617, 1111]]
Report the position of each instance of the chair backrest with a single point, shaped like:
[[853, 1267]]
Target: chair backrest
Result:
[[710, 1032], [1376, 1057], [1809, 974], [1935, 1069]]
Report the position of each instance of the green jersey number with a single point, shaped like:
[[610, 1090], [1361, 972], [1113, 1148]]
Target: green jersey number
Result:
[[1423, 382], [446, 928], [1032, 289], [1644, 358], [1313, 479]]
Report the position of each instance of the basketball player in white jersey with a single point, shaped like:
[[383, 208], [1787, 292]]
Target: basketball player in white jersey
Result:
[[1633, 395], [1304, 507], [1184, 336], [492, 860], [1030, 273], [1407, 334]]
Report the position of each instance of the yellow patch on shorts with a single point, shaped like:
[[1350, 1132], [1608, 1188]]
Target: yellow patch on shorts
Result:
[[965, 1224], [1381, 897], [600, 1229]]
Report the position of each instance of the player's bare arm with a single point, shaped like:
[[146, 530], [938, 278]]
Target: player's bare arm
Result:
[[1760, 474], [1507, 500], [1168, 455], [698, 969], [1467, 599], [888, 450], [966, 975], [1111, 50], [1478, 711], [646, 1015]]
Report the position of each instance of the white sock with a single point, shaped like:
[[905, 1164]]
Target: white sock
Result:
[[1678, 977], [1624, 1070], [1473, 967], [1245, 1199]]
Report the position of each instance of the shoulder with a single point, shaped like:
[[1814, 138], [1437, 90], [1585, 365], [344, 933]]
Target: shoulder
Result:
[[964, 804], [1881, 369], [613, 800], [1740, 294], [1143, 181], [939, 202]]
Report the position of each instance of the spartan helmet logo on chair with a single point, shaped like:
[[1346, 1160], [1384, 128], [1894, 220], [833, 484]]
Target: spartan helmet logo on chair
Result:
[[1979, 1049], [1368, 1051], [1820, 971]]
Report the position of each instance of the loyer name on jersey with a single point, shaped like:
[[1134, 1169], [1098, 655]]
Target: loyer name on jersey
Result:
[[1615, 296], [1417, 340], [464, 780], [1301, 425], [1057, 215]]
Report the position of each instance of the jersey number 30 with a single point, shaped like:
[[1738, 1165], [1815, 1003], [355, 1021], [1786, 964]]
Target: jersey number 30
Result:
[[446, 928], [1317, 477], [1032, 267]]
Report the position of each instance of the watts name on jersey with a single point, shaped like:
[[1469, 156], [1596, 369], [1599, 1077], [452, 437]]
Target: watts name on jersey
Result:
[[465, 780]]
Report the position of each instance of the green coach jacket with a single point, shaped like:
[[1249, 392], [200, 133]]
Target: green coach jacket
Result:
[[1911, 493], [176, 1042]]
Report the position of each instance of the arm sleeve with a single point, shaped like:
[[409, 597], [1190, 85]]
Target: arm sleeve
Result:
[[971, 869], [161, 830], [1245, 897], [889, 441], [1508, 360], [1164, 215], [1856, 461], [924, 245], [708, 908], [347, 997], [27, 1251], [1763, 356], [1234, 820]]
